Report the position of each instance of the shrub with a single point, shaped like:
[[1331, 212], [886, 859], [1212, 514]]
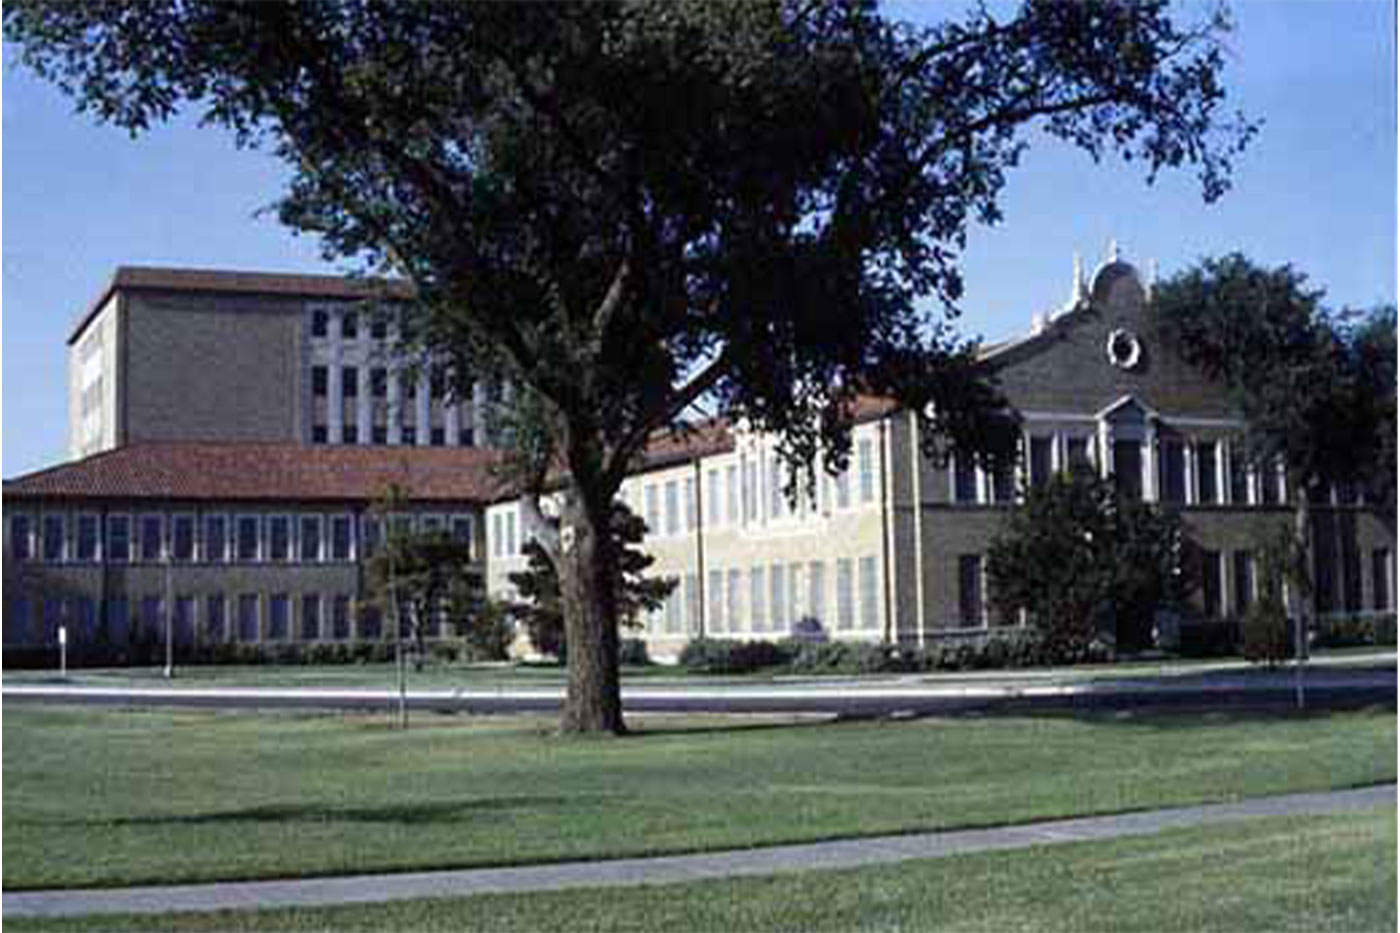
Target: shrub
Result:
[[719, 656], [1215, 639], [445, 652], [633, 651], [1264, 633], [1385, 629], [490, 633]]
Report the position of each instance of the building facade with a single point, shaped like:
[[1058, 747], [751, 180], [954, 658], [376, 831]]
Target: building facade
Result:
[[232, 431]]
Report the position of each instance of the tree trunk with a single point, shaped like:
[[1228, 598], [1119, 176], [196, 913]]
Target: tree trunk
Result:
[[587, 577], [1301, 593]]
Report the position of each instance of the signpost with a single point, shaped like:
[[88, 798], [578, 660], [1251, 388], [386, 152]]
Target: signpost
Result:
[[63, 652]]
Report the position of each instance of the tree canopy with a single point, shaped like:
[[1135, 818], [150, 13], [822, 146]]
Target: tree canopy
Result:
[[625, 208]]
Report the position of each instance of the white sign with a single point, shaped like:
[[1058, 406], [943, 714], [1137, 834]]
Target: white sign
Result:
[[63, 634]]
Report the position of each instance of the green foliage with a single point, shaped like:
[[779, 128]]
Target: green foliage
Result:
[[1264, 634], [633, 652], [491, 631], [721, 656], [1075, 556], [540, 608], [1315, 393], [1351, 631]]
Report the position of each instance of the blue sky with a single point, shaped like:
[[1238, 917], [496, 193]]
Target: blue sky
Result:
[[1316, 189]]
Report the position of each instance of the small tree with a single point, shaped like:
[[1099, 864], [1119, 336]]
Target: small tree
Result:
[[1077, 557], [1264, 635], [541, 608], [423, 576]]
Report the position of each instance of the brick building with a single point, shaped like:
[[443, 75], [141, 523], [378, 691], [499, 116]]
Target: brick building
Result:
[[230, 432]]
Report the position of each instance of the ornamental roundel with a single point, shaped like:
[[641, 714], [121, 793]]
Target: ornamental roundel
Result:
[[1124, 350]]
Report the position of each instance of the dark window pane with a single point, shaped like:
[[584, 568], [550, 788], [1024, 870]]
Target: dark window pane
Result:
[[970, 589], [408, 434], [310, 617], [349, 382], [1173, 472], [1244, 581], [1210, 583], [151, 543], [319, 434], [182, 532], [87, 537], [20, 545], [466, 438], [965, 480], [320, 381], [1127, 468], [379, 382], [350, 433], [1205, 473], [1040, 459], [349, 325], [438, 437], [310, 538], [379, 434], [319, 323]]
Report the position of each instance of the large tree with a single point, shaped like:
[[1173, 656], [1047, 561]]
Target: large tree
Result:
[[1315, 392], [624, 208]]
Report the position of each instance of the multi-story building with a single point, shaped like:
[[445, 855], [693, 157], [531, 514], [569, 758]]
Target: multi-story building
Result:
[[231, 432]]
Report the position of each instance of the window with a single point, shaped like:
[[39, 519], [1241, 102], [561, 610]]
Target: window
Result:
[[673, 519], [731, 505], [349, 325], [84, 619], [437, 382], [184, 620], [214, 617], [379, 326], [1003, 486], [152, 619], [1077, 452], [87, 537], [816, 590], [310, 617], [379, 434], [510, 535], [1380, 579], [1210, 584], [20, 544], [869, 599], [673, 611], [1127, 468], [215, 538], [1351, 577], [320, 323], [462, 531], [1207, 489], [340, 537], [340, 618], [438, 437], [246, 546], [182, 537], [52, 618], [653, 516], [152, 535], [1239, 477], [843, 489], [118, 537], [1042, 461], [279, 611], [371, 623], [279, 538], [692, 602], [777, 502], [1172, 472], [733, 597], [118, 620], [310, 538], [1269, 484], [350, 434], [845, 595], [1244, 582], [691, 516], [964, 479], [349, 382], [757, 599], [865, 462], [320, 382], [714, 599], [18, 619], [777, 605], [378, 382], [54, 538], [712, 495], [970, 611], [466, 438], [408, 435], [320, 434], [248, 617]]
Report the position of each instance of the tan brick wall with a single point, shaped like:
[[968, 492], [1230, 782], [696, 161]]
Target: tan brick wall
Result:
[[217, 367]]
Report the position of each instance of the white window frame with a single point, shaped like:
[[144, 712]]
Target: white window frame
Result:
[[320, 521], [97, 549], [194, 537], [113, 517], [258, 542], [141, 538], [62, 519]]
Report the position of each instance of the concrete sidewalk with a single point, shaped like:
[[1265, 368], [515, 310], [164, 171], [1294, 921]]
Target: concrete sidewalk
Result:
[[847, 853]]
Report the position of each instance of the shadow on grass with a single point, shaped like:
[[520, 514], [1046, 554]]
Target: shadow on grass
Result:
[[1184, 718], [408, 814]]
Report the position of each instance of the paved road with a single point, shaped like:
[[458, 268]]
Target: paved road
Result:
[[845, 853], [1327, 688]]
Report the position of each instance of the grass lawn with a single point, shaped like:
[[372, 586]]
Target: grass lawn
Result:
[[1314, 874], [113, 797]]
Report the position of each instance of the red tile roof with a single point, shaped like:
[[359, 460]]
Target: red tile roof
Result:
[[155, 278], [266, 471]]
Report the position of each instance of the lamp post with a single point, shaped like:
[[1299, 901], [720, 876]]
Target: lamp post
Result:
[[169, 621]]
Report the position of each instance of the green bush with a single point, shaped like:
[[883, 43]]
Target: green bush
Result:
[[1349, 631], [489, 634], [1385, 629]]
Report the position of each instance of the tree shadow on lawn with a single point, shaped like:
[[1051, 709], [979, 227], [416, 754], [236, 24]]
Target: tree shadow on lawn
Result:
[[1169, 719], [408, 814]]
